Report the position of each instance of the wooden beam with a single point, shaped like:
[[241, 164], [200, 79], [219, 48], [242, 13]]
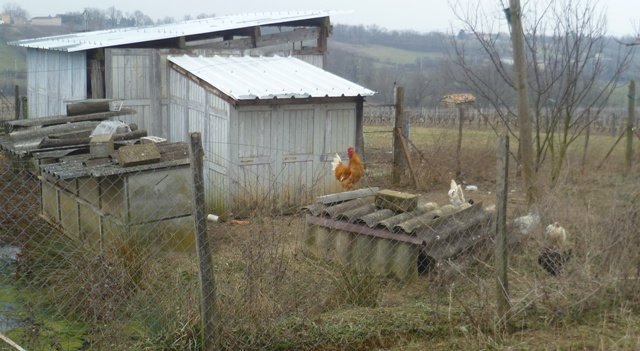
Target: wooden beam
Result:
[[256, 39], [405, 151], [87, 107], [360, 128], [53, 120], [256, 36], [325, 28]]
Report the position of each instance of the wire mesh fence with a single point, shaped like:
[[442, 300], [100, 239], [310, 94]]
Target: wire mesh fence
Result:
[[97, 255]]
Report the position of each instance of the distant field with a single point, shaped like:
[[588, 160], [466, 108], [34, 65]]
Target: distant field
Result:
[[385, 53], [11, 58]]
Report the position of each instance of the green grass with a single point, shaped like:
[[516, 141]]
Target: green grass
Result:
[[385, 53], [11, 58]]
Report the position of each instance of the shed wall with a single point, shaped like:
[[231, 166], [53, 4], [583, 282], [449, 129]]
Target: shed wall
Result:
[[53, 79], [194, 109], [265, 156], [135, 76], [282, 157]]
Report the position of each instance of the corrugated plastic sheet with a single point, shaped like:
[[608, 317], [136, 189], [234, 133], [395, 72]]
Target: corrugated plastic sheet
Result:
[[123, 36], [424, 224], [78, 166], [250, 78]]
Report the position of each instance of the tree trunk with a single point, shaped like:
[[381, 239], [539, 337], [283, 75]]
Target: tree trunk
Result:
[[524, 120]]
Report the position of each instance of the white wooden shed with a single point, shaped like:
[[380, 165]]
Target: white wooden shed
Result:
[[129, 64], [270, 127]]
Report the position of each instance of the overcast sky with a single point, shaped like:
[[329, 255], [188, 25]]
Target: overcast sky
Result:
[[419, 15]]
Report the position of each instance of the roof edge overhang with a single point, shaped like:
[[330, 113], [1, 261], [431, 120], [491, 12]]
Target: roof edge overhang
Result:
[[262, 102]]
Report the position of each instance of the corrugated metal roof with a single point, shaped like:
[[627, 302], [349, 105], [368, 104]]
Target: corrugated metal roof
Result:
[[78, 166], [250, 78], [123, 36]]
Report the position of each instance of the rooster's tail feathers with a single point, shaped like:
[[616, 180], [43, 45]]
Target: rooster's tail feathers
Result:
[[336, 161]]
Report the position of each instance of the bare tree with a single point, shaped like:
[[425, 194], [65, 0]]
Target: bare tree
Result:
[[15, 11], [568, 81]]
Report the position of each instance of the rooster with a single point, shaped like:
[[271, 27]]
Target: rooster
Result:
[[348, 175]]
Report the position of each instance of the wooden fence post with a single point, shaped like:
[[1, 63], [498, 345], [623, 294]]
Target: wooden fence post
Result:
[[25, 107], [207, 282], [630, 122], [398, 164], [16, 104], [459, 142], [502, 284]]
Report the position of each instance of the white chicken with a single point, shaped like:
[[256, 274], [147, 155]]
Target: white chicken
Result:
[[555, 234], [456, 196], [527, 223]]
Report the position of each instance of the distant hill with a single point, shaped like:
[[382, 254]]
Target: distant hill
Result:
[[13, 65]]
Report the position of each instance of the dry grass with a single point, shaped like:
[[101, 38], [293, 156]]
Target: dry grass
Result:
[[271, 297]]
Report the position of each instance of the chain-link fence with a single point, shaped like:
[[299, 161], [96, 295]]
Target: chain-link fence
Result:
[[98, 251]]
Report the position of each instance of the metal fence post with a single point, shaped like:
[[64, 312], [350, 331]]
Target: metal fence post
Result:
[[207, 282], [502, 284]]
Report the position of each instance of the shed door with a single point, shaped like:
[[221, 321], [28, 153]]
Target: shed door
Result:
[[295, 162], [255, 142], [133, 75]]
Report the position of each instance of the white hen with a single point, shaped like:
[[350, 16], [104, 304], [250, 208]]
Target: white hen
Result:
[[555, 234], [456, 197]]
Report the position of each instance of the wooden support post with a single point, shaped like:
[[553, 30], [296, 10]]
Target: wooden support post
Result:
[[17, 102], [360, 129], [325, 27], [610, 150], [405, 152], [398, 164], [629, 129], [459, 143], [502, 284], [207, 283], [25, 107]]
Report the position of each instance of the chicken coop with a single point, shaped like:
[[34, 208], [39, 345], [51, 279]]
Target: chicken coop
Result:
[[97, 199], [270, 127]]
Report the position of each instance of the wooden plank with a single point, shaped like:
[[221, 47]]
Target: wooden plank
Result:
[[54, 120], [396, 200], [347, 195], [87, 107], [53, 142], [256, 40], [140, 154], [405, 151]]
